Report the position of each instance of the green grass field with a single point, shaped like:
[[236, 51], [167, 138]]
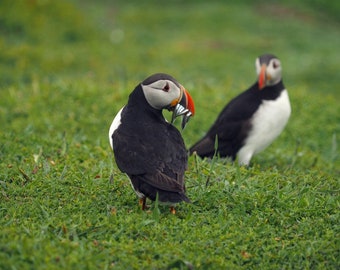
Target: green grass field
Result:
[[67, 67]]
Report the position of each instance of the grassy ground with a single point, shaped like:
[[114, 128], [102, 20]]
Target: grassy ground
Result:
[[67, 67]]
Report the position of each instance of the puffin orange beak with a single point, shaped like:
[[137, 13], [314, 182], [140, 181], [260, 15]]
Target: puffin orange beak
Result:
[[185, 107], [189, 101], [262, 77]]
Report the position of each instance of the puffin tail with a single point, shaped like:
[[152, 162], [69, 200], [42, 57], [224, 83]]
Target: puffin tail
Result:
[[173, 197], [203, 148]]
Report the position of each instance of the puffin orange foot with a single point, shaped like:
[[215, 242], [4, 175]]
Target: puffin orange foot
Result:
[[142, 203], [172, 210]]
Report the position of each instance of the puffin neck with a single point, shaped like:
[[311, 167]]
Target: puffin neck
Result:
[[138, 100], [273, 91]]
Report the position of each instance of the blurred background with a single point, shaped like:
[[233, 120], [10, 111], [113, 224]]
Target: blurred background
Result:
[[190, 39]]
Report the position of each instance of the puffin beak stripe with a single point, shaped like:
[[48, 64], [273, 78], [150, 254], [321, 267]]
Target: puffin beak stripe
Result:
[[185, 107], [262, 77]]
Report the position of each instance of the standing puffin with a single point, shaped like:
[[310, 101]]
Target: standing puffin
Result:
[[252, 120], [146, 147]]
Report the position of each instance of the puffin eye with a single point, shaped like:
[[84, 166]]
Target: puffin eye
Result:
[[275, 64], [166, 87]]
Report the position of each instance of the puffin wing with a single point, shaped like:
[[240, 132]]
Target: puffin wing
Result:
[[160, 156], [230, 127], [132, 156], [228, 136]]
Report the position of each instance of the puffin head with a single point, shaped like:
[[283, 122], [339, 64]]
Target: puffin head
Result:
[[162, 91], [268, 69]]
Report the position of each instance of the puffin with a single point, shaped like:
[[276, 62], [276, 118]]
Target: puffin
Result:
[[148, 148], [251, 121]]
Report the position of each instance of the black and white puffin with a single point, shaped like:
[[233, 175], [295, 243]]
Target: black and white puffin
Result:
[[251, 121], [149, 149]]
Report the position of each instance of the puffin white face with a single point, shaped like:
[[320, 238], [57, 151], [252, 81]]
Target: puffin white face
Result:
[[162, 93], [269, 70]]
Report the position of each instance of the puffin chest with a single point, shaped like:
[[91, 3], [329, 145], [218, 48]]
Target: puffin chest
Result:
[[268, 122]]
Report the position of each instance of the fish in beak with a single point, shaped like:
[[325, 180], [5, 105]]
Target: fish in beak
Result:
[[185, 107]]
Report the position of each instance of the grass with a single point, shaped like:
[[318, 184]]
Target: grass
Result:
[[66, 69]]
